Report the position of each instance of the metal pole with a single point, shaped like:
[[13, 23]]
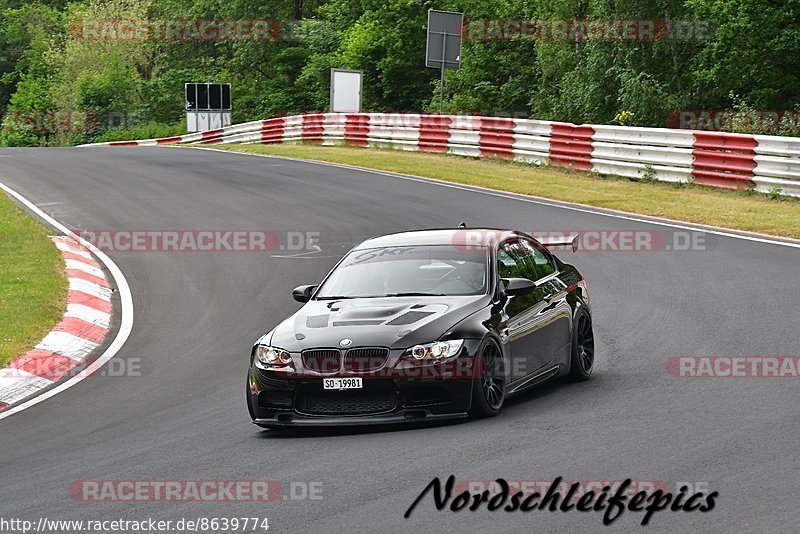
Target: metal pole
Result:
[[441, 80]]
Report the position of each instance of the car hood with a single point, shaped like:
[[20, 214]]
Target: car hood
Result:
[[394, 322]]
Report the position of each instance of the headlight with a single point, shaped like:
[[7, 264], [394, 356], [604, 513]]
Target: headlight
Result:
[[438, 351], [272, 356]]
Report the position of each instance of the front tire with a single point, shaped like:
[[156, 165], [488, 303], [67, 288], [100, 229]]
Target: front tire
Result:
[[582, 353], [249, 399], [489, 389]]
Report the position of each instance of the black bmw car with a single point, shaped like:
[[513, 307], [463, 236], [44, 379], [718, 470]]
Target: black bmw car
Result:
[[424, 325]]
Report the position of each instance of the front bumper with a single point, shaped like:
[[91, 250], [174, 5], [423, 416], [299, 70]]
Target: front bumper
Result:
[[281, 400], [289, 419]]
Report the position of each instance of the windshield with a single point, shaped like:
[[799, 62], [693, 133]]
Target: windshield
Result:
[[408, 271]]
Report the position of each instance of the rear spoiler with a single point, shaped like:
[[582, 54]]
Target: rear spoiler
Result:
[[552, 242]]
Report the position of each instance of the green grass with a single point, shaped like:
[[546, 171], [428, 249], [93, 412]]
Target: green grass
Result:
[[33, 284], [739, 210]]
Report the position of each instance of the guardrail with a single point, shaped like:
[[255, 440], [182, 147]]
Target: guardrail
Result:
[[717, 159]]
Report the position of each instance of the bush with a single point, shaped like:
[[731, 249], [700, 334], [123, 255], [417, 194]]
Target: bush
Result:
[[150, 130]]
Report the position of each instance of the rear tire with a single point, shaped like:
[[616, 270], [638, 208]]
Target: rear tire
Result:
[[488, 390], [582, 353]]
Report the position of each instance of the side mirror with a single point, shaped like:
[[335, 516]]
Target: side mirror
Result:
[[303, 293], [517, 286]]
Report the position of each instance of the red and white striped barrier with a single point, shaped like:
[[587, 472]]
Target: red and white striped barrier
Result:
[[83, 328], [716, 159]]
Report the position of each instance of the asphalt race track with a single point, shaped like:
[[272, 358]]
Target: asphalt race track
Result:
[[197, 315]]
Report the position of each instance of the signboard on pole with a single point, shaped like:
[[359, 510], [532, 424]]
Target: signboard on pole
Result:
[[208, 106], [443, 49], [346, 88]]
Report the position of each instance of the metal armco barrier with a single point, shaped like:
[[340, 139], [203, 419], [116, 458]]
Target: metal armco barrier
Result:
[[716, 159], [722, 160]]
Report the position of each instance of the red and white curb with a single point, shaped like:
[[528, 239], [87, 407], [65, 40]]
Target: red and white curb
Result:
[[82, 330]]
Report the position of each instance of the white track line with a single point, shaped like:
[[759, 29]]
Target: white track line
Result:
[[582, 208], [126, 301]]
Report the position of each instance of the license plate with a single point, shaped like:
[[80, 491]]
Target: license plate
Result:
[[341, 383]]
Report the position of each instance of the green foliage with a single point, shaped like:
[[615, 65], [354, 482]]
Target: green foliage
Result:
[[26, 34], [775, 193], [742, 56], [649, 175], [753, 53], [147, 131]]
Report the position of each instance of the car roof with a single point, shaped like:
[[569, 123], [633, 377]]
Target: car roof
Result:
[[443, 236]]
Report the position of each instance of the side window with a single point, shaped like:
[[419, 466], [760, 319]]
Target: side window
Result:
[[541, 261], [513, 261], [506, 261]]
